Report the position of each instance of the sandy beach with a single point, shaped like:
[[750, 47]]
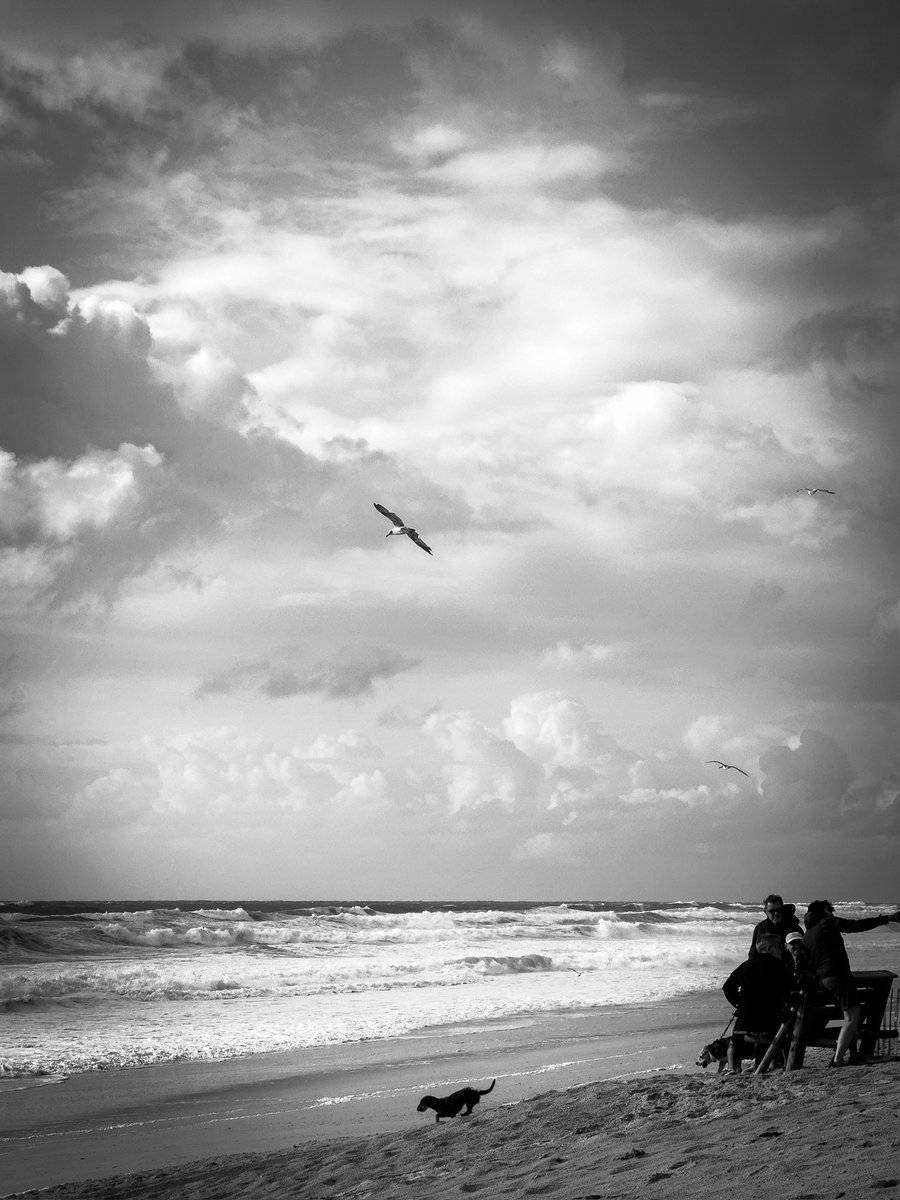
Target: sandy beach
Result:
[[598, 1103], [811, 1134]]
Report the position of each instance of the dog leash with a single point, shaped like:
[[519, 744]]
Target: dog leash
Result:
[[728, 1026]]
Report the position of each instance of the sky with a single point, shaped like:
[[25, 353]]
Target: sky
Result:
[[584, 291]]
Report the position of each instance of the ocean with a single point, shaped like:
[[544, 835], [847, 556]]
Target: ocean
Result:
[[94, 986]]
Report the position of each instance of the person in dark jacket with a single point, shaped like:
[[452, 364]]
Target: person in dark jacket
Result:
[[826, 955], [768, 936], [757, 988]]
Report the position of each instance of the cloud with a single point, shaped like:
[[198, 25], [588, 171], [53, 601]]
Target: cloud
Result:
[[481, 767], [73, 530], [432, 142], [352, 672], [77, 374], [237, 781], [522, 167], [349, 745], [590, 658], [60, 499], [471, 283], [124, 79], [555, 848], [87, 508], [853, 334], [809, 779], [548, 789], [558, 730]]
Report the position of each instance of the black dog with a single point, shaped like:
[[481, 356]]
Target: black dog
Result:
[[449, 1106]]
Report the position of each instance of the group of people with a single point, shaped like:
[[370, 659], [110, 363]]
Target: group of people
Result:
[[786, 957]]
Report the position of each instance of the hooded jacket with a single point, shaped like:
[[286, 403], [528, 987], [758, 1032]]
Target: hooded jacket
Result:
[[825, 947]]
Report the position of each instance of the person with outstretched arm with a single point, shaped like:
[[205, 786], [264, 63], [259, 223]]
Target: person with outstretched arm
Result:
[[827, 958]]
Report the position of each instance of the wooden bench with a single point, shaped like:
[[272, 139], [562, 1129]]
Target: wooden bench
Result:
[[814, 1018]]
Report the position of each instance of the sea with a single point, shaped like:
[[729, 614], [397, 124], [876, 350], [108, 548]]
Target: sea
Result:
[[96, 986]]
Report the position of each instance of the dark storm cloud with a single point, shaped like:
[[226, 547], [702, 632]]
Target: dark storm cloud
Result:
[[844, 335]]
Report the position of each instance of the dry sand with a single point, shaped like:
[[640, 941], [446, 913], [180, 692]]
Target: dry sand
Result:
[[341, 1122], [809, 1134]]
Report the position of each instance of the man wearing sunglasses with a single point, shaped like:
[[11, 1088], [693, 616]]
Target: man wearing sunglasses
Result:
[[769, 934]]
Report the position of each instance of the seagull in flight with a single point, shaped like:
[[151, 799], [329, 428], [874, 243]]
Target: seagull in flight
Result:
[[812, 491], [726, 766], [400, 527]]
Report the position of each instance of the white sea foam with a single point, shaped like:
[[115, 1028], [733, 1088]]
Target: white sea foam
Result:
[[88, 990]]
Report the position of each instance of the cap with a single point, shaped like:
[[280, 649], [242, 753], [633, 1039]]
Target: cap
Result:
[[794, 936]]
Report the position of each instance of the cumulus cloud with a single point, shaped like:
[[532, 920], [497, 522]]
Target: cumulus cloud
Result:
[[809, 779], [241, 782], [347, 745], [558, 730], [59, 499], [563, 795], [78, 529], [77, 374], [87, 506], [482, 768], [707, 733]]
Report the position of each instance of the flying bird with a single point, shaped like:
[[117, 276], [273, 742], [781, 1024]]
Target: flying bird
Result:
[[812, 491], [726, 766], [400, 527]]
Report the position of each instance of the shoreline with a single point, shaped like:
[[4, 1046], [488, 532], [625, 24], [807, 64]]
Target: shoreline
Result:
[[103, 1124]]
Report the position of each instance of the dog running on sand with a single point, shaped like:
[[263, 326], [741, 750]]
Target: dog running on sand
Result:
[[715, 1052], [449, 1106]]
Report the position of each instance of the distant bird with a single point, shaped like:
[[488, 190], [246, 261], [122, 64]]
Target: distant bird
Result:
[[726, 766], [400, 527], [812, 491]]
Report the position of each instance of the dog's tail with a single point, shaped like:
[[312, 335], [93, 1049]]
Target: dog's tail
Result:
[[485, 1091]]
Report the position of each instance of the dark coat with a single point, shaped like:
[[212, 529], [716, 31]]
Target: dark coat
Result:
[[758, 988], [768, 938], [825, 949]]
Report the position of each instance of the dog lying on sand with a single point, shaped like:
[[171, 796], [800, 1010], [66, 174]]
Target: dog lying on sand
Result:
[[714, 1052], [450, 1106]]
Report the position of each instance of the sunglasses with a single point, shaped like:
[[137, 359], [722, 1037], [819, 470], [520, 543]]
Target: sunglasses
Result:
[[773, 912]]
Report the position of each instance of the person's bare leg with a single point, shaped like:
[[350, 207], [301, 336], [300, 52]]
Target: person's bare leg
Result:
[[847, 1033], [733, 1058]]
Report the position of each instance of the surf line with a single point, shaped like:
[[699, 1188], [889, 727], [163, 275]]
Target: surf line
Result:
[[186, 1119], [326, 1101]]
